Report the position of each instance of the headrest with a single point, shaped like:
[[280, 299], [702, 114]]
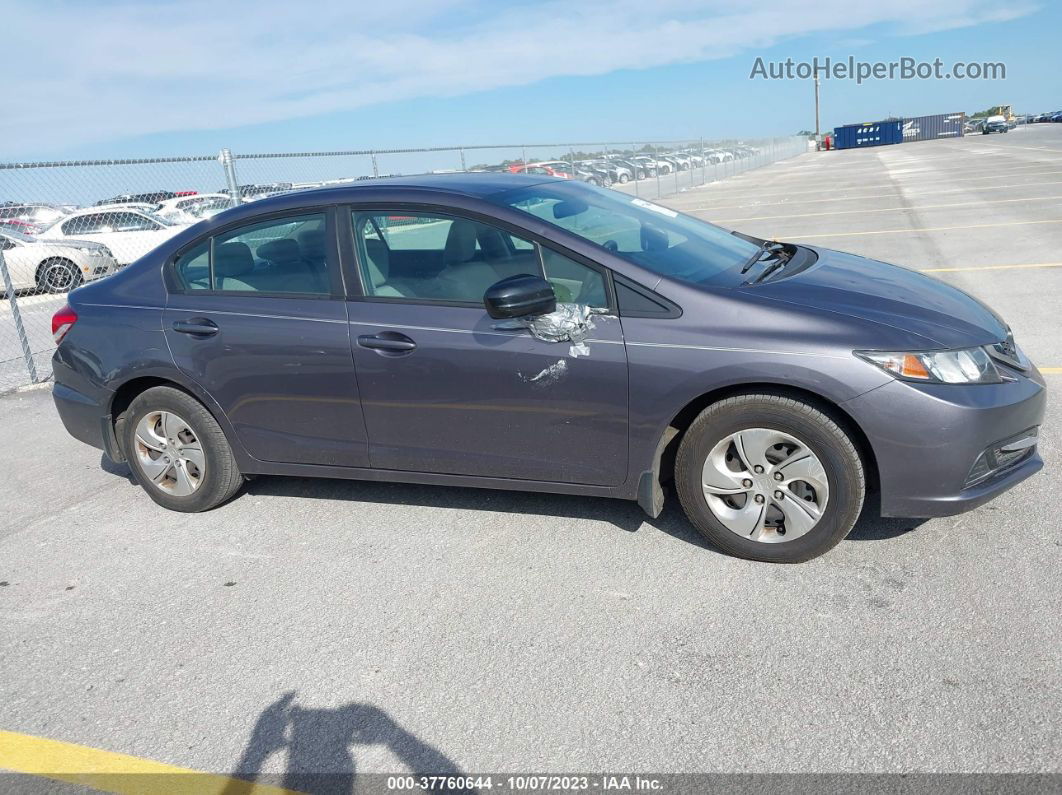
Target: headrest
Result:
[[492, 243], [283, 251], [232, 259], [313, 243], [379, 260], [460, 242]]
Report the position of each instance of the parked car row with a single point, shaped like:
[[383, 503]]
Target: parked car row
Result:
[[609, 170], [993, 124]]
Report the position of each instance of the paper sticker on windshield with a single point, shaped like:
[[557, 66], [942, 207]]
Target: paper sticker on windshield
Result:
[[656, 208]]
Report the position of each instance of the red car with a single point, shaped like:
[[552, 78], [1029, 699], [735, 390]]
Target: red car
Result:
[[550, 168]]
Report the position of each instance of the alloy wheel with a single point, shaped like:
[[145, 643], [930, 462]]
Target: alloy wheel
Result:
[[765, 485]]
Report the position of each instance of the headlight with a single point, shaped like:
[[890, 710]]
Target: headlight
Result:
[[965, 366]]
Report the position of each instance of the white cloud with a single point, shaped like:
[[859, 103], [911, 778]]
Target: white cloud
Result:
[[89, 72]]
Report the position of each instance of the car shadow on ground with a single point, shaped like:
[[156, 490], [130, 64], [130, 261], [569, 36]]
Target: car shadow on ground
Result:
[[622, 514], [321, 747]]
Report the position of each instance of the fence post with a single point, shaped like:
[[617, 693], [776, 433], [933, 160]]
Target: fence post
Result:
[[20, 328], [652, 154], [463, 166], [225, 158], [634, 151], [375, 168]]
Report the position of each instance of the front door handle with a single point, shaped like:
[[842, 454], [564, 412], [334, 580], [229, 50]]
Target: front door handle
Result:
[[390, 341], [200, 327]]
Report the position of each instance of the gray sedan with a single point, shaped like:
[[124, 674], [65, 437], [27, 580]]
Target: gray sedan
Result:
[[518, 332]]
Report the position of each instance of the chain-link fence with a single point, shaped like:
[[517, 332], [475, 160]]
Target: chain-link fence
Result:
[[65, 223]]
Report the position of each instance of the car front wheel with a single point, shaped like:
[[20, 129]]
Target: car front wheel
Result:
[[177, 451], [769, 478]]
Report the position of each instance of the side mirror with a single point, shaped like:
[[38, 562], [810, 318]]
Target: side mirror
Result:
[[653, 239], [566, 208], [519, 296]]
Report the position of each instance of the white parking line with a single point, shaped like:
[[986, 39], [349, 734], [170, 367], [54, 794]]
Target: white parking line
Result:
[[874, 194], [997, 172], [894, 184], [796, 236], [866, 210]]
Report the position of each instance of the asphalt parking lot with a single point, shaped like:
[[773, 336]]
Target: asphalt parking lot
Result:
[[315, 625]]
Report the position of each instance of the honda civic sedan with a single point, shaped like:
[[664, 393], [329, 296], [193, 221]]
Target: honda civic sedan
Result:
[[509, 331]]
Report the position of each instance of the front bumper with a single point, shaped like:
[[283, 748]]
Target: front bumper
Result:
[[927, 439]]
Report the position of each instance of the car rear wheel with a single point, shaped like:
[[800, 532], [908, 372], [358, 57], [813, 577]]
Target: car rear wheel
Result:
[[769, 478], [177, 451], [624, 179], [58, 275]]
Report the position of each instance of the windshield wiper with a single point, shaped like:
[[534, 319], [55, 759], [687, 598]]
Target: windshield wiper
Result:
[[768, 247], [776, 265]]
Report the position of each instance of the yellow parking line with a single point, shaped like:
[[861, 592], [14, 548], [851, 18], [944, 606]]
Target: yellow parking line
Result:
[[113, 772], [794, 236], [991, 267], [1050, 370], [918, 208]]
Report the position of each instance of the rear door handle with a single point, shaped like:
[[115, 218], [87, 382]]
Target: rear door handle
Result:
[[199, 327], [387, 341]]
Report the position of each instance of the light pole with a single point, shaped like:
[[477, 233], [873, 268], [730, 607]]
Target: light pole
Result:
[[817, 138]]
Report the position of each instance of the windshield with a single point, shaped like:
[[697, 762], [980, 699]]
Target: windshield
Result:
[[654, 237], [156, 217]]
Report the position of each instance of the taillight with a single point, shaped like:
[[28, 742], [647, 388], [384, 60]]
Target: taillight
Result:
[[62, 322]]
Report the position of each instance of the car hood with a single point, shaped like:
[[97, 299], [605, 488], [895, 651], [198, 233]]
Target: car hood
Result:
[[937, 313], [72, 241]]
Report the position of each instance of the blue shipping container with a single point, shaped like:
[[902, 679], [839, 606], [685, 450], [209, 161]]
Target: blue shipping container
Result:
[[872, 133]]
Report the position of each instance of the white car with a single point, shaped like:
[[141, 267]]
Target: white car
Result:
[[191, 209], [130, 234], [659, 166], [54, 266]]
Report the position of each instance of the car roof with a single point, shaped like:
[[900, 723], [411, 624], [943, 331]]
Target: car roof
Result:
[[125, 207], [475, 184]]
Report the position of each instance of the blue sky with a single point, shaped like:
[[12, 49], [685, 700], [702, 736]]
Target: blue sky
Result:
[[120, 79]]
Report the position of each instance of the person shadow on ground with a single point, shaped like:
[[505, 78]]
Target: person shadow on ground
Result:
[[320, 746]]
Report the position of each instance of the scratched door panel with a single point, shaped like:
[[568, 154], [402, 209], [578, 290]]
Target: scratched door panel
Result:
[[474, 400]]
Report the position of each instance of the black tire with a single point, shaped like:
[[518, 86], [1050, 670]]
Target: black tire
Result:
[[624, 179], [57, 275], [221, 479], [839, 457]]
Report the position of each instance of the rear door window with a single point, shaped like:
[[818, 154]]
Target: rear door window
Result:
[[282, 256], [83, 225]]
